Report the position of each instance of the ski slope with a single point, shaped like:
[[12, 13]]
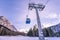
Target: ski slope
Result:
[[26, 38]]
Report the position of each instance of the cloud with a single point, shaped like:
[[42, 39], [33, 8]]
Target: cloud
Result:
[[51, 15], [49, 19], [24, 30], [59, 18], [45, 25]]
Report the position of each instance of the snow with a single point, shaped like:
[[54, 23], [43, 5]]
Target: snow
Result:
[[26, 38]]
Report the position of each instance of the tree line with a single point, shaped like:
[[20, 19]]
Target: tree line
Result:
[[47, 32]]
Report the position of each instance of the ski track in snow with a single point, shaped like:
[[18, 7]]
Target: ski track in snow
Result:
[[26, 38]]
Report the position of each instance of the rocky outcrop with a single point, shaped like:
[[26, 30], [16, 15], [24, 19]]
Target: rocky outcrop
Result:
[[6, 23], [4, 31], [7, 29]]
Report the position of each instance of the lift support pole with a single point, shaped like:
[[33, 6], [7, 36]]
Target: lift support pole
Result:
[[38, 7]]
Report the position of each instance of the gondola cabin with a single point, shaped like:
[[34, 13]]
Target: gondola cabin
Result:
[[28, 21]]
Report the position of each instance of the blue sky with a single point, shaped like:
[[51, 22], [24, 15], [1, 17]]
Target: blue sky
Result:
[[16, 10]]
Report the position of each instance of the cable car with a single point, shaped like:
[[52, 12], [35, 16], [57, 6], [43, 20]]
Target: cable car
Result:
[[28, 21]]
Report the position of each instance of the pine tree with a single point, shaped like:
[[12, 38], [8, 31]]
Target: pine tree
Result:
[[30, 33]]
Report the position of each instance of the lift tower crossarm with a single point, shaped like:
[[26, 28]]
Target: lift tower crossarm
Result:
[[38, 7]]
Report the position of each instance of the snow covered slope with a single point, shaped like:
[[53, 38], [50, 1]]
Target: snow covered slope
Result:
[[26, 38]]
